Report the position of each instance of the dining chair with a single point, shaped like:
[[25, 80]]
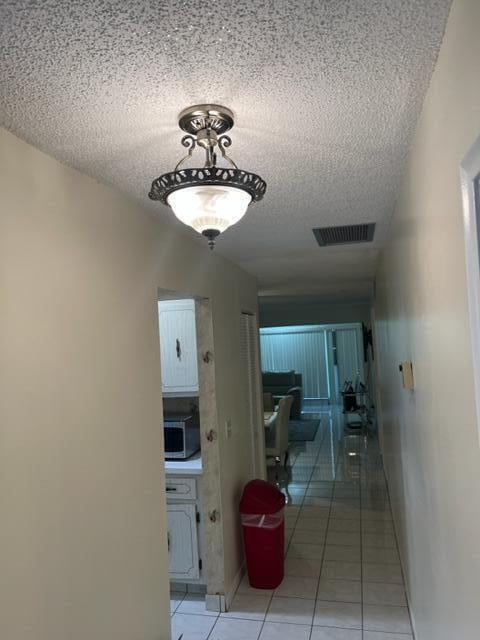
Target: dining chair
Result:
[[268, 404], [276, 438]]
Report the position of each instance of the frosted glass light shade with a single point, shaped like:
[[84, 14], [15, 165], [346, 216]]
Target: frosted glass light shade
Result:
[[206, 207]]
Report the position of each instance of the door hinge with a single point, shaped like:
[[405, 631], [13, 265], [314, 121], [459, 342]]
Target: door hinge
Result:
[[211, 435], [198, 517], [213, 516], [200, 564]]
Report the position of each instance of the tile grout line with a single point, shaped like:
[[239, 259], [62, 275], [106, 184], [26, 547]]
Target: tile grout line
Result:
[[294, 528], [314, 467], [324, 545], [323, 434], [360, 534], [307, 483], [179, 603], [397, 547]]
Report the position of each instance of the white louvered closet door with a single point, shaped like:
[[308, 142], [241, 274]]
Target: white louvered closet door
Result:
[[249, 354]]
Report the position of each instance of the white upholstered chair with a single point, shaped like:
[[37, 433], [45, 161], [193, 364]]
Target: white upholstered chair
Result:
[[276, 438], [268, 403]]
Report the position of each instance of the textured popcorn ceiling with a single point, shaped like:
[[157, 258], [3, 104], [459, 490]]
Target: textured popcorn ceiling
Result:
[[326, 96]]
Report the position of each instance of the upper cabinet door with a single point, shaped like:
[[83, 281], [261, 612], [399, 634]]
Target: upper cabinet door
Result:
[[178, 346]]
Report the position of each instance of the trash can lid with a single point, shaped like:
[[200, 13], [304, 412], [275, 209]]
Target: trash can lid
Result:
[[260, 497]]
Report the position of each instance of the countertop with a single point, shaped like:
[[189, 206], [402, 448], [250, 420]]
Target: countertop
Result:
[[190, 467]]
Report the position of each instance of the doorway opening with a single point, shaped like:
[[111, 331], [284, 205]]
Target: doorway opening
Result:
[[470, 180], [191, 462], [323, 357]]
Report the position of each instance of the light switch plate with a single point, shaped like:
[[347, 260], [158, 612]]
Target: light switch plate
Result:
[[406, 369]]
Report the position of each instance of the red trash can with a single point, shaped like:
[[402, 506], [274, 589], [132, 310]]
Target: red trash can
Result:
[[262, 514]]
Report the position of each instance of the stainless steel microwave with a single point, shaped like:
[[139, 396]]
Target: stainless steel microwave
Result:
[[182, 436]]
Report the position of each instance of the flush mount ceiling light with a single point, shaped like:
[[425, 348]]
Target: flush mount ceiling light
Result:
[[211, 198]]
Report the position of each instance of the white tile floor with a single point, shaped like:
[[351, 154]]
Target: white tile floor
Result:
[[343, 579]]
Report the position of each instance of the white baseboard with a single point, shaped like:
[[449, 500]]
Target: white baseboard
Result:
[[221, 602], [213, 602]]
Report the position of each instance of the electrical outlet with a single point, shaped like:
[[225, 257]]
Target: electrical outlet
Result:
[[228, 428]]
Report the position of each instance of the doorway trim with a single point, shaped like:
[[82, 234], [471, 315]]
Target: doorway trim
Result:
[[257, 429], [470, 183]]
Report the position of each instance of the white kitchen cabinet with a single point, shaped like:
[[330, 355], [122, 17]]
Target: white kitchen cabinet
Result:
[[181, 488], [186, 536], [178, 347], [183, 542]]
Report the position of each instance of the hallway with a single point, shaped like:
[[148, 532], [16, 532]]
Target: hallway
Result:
[[343, 579]]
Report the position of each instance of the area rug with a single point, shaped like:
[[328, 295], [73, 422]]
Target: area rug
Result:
[[302, 430]]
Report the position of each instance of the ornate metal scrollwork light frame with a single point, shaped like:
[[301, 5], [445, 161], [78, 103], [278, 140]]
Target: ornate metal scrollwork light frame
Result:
[[205, 126]]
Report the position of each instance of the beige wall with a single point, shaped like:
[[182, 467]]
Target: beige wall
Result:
[[431, 443], [82, 535]]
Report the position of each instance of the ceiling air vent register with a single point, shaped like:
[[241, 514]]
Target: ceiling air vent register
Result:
[[348, 234]]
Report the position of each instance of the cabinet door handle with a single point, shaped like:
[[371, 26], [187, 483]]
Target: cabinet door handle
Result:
[[178, 348], [168, 541], [171, 488]]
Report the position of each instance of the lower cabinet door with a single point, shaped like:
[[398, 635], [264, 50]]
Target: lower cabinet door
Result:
[[183, 541]]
